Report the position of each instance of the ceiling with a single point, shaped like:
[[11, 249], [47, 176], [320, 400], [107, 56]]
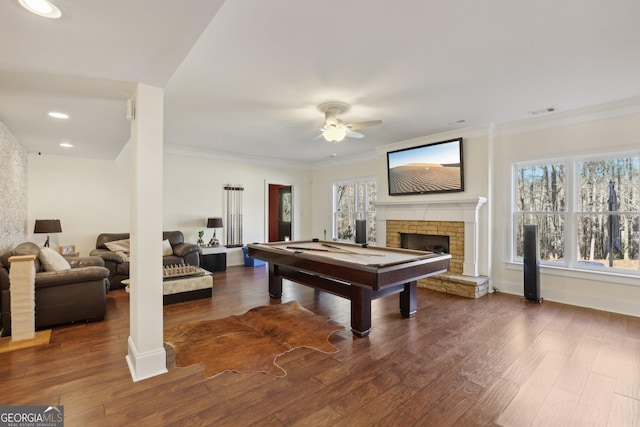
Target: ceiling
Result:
[[245, 77]]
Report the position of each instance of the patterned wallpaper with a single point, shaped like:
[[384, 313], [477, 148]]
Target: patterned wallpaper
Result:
[[13, 189]]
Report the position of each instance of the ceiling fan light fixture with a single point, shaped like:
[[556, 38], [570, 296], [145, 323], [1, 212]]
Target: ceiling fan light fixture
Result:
[[334, 133], [42, 8], [334, 129], [58, 115]]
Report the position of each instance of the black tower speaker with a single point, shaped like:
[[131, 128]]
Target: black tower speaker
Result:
[[361, 231], [530, 254]]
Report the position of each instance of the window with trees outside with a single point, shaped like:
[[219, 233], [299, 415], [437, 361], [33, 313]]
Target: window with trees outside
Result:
[[354, 200], [587, 211]]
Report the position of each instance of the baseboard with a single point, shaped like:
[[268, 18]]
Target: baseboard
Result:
[[629, 308], [146, 365]]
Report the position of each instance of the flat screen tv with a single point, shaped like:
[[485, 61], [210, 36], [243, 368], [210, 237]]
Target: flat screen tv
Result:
[[431, 168]]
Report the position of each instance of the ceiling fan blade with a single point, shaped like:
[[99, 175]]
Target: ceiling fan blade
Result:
[[356, 126], [352, 134]]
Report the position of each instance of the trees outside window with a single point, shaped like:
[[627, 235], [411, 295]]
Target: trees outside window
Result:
[[354, 200], [541, 200], [587, 219]]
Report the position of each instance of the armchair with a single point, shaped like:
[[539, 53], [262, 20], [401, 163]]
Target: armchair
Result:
[[64, 296], [117, 261]]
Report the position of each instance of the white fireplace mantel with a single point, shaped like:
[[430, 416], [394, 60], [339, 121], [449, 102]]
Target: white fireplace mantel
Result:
[[462, 210]]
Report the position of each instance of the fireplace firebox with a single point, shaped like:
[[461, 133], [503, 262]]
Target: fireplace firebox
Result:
[[425, 242]]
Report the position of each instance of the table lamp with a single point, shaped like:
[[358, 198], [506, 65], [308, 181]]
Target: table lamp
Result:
[[214, 223], [47, 226]]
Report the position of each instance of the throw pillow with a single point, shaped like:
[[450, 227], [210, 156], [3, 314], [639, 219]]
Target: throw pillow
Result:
[[52, 260], [119, 246], [166, 248]]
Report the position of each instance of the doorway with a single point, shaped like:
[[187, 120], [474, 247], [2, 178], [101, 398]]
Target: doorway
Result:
[[279, 212]]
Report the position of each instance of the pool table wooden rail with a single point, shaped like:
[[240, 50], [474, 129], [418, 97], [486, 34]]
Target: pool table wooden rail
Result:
[[360, 283]]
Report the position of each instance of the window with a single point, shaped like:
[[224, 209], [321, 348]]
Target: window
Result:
[[541, 193], [354, 200], [587, 211]]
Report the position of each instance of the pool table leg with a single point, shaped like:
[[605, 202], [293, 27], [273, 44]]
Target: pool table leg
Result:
[[275, 282], [409, 299], [360, 311]]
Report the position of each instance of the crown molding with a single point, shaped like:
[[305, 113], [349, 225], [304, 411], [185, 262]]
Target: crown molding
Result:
[[571, 117], [381, 150], [232, 157], [345, 160], [477, 131]]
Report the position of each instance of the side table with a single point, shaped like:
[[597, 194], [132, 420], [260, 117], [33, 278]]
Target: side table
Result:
[[213, 258]]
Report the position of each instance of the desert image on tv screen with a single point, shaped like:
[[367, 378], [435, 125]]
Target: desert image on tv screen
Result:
[[432, 168]]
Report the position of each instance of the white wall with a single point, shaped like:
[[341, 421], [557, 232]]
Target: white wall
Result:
[[88, 196], [585, 133], [194, 191], [476, 159], [93, 196]]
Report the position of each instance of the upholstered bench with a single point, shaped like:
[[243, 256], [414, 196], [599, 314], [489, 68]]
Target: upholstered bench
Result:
[[187, 288]]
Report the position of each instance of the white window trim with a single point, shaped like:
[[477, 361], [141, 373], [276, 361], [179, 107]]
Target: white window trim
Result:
[[334, 231], [569, 267]]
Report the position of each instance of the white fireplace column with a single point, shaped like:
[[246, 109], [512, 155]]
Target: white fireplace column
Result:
[[464, 210]]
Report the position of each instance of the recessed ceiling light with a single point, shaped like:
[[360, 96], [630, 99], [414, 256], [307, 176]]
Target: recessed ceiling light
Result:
[[58, 115], [66, 145], [42, 8]]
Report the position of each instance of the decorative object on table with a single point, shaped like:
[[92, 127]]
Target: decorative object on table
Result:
[[47, 226], [68, 250], [214, 223], [252, 341], [200, 241], [180, 270]]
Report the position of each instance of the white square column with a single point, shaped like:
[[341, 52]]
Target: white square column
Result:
[[146, 355]]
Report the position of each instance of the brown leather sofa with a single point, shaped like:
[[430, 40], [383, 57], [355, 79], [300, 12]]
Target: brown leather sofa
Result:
[[183, 253], [67, 296]]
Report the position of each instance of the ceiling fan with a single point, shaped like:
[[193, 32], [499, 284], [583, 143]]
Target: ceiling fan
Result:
[[334, 129]]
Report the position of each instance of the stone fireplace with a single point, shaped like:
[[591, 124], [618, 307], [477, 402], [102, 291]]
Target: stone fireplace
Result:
[[457, 221], [454, 230]]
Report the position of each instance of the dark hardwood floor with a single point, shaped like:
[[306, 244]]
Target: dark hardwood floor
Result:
[[497, 360]]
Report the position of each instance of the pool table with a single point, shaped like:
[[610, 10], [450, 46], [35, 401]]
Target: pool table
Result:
[[359, 273]]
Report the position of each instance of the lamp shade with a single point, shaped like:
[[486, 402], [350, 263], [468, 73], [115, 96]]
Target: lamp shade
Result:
[[214, 223], [47, 226]]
